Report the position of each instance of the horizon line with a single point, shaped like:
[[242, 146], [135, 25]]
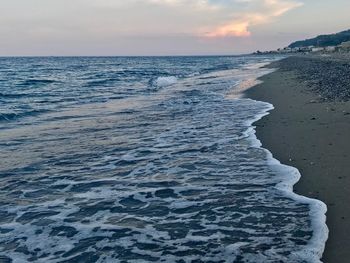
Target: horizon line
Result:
[[106, 56]]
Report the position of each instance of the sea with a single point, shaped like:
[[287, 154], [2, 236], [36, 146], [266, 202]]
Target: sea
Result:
[[145, 159]]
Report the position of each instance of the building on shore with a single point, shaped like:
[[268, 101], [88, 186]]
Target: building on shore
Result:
[[317, 49], [330, 49], [343, 47]]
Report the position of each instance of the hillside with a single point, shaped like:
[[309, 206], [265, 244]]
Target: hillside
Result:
[[324, 40]]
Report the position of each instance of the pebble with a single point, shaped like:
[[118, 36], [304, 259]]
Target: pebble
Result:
[[327, 76]]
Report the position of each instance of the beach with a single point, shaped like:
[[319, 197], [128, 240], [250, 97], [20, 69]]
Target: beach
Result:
[[309, 129]]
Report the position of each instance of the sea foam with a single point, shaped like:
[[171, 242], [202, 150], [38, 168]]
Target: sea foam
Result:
[[175, 174], [289, 177], [165, 81]]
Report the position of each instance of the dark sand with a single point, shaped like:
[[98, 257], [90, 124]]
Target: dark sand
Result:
[[313, 135]]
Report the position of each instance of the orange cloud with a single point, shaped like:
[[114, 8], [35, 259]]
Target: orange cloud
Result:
[[233, 29], [239, 27]]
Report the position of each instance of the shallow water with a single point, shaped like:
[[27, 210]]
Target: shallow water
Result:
[[143, 159]]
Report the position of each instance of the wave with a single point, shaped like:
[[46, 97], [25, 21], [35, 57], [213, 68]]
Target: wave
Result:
[[31, 82], [174, 175], [13, 95], [101, 82], [289, 177], [7, 117], [162, 82]]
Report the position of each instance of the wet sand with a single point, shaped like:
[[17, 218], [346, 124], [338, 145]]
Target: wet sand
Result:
[[312, 133]]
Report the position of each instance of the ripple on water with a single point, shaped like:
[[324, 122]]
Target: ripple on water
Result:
[[180, 179]]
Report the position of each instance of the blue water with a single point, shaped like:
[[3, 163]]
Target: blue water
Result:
[[144, 160]]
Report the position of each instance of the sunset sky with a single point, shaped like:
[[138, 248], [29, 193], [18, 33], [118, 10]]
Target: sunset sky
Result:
[[163, 27]]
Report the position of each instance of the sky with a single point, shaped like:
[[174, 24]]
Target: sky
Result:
[[162, 27]]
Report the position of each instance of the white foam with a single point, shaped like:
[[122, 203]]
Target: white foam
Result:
[[204, 193], [165, 81], [290, 176]]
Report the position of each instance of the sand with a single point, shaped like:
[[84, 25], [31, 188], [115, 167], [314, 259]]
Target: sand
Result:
[[312, 135]]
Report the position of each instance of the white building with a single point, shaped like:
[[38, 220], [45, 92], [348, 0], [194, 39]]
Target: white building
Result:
[[317, 49], [345, 45], [330, 49]]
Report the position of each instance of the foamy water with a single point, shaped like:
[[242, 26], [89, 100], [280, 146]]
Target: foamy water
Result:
[[165, 81], [145, 160]]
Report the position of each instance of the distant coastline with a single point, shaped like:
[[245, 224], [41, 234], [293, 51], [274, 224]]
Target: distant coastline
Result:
[[333, 43]]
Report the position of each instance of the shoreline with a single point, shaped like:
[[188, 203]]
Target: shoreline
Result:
[[309, 130], [290, 175]]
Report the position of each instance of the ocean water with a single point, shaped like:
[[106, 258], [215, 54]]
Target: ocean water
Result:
[[144, 160]]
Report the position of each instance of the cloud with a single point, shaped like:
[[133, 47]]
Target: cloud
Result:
[[140, 18], [208, 18], [239, 26], [238, 29], [201, 4]]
